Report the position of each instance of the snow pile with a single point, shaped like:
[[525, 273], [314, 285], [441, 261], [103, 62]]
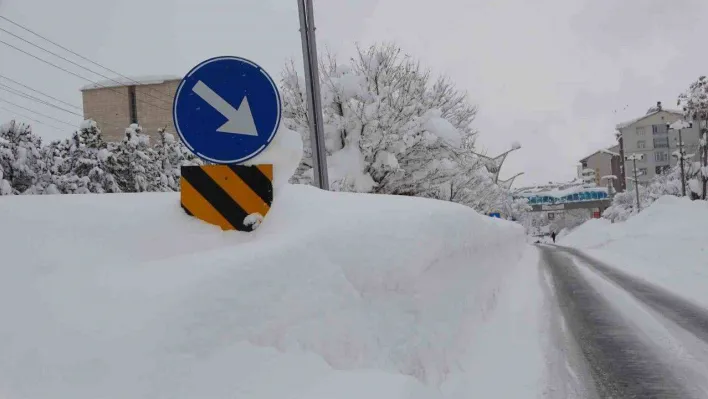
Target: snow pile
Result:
[[665, 244], [124, 296], [284, 153]]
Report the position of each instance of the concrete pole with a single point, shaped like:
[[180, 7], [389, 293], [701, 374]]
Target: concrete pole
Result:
[[705, 162], [636, 183], [683, 173], [314, 102]]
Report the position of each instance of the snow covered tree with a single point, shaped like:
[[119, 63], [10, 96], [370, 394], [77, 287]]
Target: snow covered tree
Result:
[[389, 127], [171, 156], [22, 167], [695, 107], [81, 164], [133, 162], [624, 204]]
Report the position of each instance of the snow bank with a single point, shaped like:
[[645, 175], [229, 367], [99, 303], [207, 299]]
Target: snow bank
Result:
[[335, 295], [665, 244]]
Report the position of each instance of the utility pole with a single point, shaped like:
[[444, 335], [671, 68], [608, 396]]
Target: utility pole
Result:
[[704, 143], [683, 172], [634, 158], [679, 125], [314, 102]]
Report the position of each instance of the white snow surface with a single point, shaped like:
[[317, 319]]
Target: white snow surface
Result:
[[131, 81], [335, 295], [443, 129], [680, 124], [284, 153], [665, 245]]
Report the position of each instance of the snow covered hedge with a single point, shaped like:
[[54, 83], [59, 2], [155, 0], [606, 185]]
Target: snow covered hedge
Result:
[[85, 163]]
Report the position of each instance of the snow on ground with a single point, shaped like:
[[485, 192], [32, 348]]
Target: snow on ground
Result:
[[510, 346], [665, 245], [335, 295]]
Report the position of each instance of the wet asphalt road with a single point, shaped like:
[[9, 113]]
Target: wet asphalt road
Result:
[[620, 363]]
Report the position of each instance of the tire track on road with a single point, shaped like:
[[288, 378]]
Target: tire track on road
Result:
[[622, 366], [686, 314]]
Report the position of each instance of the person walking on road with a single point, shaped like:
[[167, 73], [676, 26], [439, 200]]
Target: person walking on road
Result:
[[553, 236]]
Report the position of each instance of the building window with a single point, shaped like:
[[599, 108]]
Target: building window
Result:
[[660, 130], [641, 131], [661, 156], [660, 170], [641, 171], [661, 142], [641, 144]]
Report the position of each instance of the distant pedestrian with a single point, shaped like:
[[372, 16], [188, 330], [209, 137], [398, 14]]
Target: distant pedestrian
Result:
[[553, 236]]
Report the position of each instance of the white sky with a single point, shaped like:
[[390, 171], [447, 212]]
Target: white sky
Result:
[[555, 75]]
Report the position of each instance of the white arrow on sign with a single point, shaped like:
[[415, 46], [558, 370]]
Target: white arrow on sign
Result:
[[239, 121]]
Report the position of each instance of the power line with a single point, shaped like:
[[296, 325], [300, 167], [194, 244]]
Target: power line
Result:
[[33, 98], [70, 51], [72, 62], [39, 100], [77, 75], [13, 112], [38, 113], [39, 92]]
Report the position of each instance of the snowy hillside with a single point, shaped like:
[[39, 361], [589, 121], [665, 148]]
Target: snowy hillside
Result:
[[124, 296], [665, 244]]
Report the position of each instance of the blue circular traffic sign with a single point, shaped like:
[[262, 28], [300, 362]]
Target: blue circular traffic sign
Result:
[[227, 110]]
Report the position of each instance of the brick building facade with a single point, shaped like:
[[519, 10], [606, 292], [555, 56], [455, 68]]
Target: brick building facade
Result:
[[114, 105]]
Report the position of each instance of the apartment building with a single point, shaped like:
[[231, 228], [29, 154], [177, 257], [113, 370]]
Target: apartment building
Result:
[[651, 136], [601, 163], [117, 103]]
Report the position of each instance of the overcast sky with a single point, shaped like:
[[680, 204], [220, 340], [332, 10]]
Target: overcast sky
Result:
[[555, 75]]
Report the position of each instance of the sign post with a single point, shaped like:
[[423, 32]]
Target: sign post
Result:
[[226, 111], [314, 102]]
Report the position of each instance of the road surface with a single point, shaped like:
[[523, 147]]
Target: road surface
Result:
[[608, 350]]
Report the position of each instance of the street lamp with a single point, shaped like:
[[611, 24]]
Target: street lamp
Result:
[[634, 158]]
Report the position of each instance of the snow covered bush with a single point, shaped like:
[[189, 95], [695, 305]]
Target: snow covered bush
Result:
[[82, 164], [171, 156], [134, 162], [22, 166], [624, 204], [389, 127], [85, 163]]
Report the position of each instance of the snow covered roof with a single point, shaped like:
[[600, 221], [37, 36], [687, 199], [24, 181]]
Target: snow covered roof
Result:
[[562, 193], [550, 187], [633, 121], [609, 151], [131, 81]]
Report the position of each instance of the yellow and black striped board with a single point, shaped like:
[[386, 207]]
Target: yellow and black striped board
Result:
[[224, 195]]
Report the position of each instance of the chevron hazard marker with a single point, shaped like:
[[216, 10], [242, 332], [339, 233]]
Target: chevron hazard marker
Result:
[[232, 197]]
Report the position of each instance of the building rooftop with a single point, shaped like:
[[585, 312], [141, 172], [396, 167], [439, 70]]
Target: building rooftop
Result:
[[654, 112], [131, 81]]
